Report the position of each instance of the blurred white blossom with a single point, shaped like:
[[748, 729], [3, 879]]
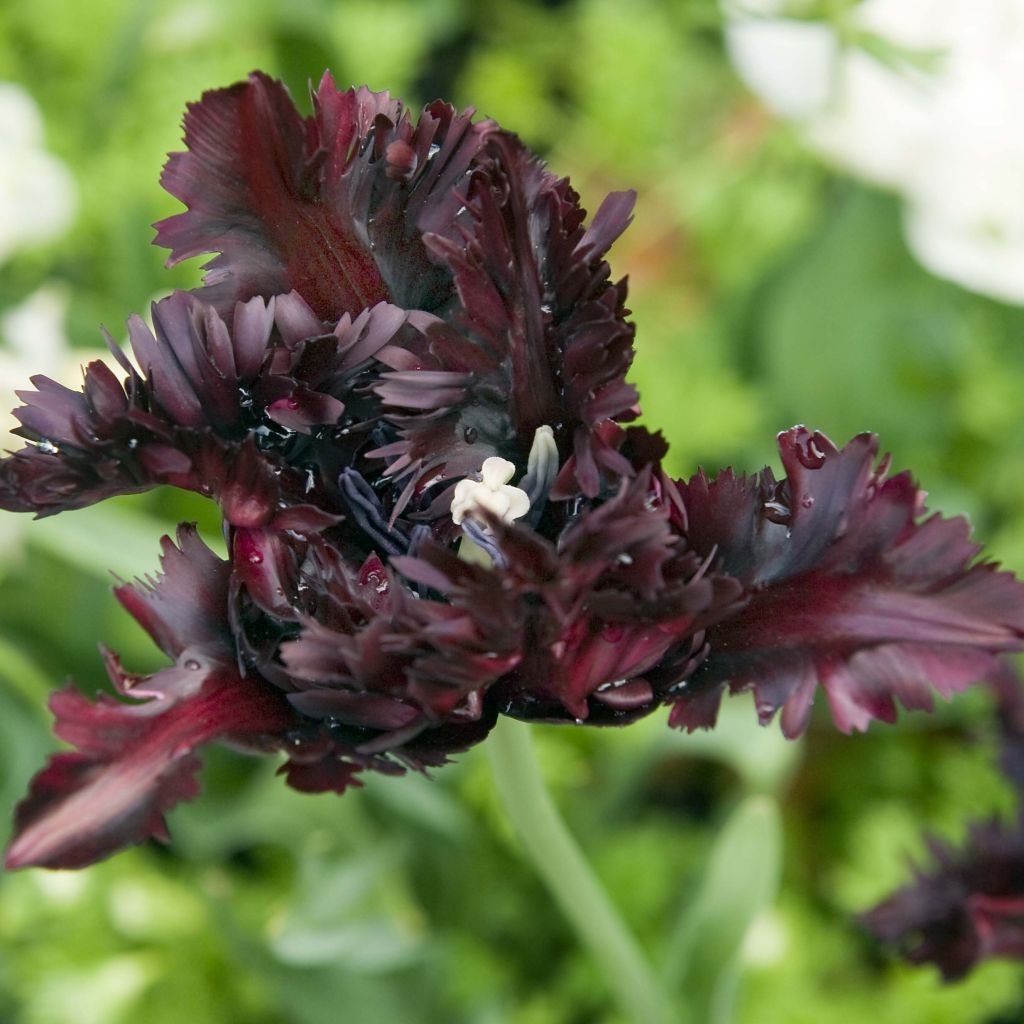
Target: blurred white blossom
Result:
[[921, 96], [33, 340], [37, 192]]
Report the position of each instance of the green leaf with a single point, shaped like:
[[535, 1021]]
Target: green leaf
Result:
[[741, 881], [102, 540], [760, 755], [22, 676], [855, 336]]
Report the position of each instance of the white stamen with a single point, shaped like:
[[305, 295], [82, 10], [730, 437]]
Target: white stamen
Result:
[[542, 466], [492, 493]]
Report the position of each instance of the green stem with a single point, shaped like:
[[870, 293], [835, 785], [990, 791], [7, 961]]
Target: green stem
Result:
[[558, 860], [25, 678]]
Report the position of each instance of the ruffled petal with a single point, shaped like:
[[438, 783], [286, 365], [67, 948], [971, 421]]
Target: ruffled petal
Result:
[[186, 605], [332, 205], [845, 586], [539, 337], [134, 761], [379, 657]]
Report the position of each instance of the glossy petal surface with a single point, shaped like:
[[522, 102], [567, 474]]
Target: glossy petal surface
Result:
[[847, 586]]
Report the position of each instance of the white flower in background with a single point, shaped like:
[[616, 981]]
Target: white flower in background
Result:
[[37, 192], [942, 129], [37, 204], [33, 341]]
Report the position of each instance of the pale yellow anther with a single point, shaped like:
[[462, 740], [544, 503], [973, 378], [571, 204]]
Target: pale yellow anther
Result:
[[492, 493]]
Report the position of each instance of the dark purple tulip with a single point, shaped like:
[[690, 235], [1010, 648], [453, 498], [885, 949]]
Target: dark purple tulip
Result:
[[968, 906], [404, 383]]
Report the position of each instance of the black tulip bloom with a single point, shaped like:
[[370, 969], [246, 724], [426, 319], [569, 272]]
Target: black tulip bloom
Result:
[[404, 383], [965, 908], [968, 905]]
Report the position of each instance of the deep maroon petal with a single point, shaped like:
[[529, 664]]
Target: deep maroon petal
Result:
[[539, 336], [362, 710], [329, 774], [135, 762], [332, 205], [186, 605], [1000, 924], [80, 449], [266, 565], [192, 391], [381, 658], [846, 585], [246, 179]]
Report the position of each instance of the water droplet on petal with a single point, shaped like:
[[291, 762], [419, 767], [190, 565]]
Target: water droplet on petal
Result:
[[842, 525], [809, 454], [765, 710], [776, 512]]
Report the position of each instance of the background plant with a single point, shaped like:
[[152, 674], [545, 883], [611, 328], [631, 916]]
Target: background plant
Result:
[[769, 287]]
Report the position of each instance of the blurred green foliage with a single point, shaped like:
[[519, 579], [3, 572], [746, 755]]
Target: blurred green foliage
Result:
[[766, 291]]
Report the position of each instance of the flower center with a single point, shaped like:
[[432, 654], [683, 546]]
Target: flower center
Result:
[[491, 495]]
